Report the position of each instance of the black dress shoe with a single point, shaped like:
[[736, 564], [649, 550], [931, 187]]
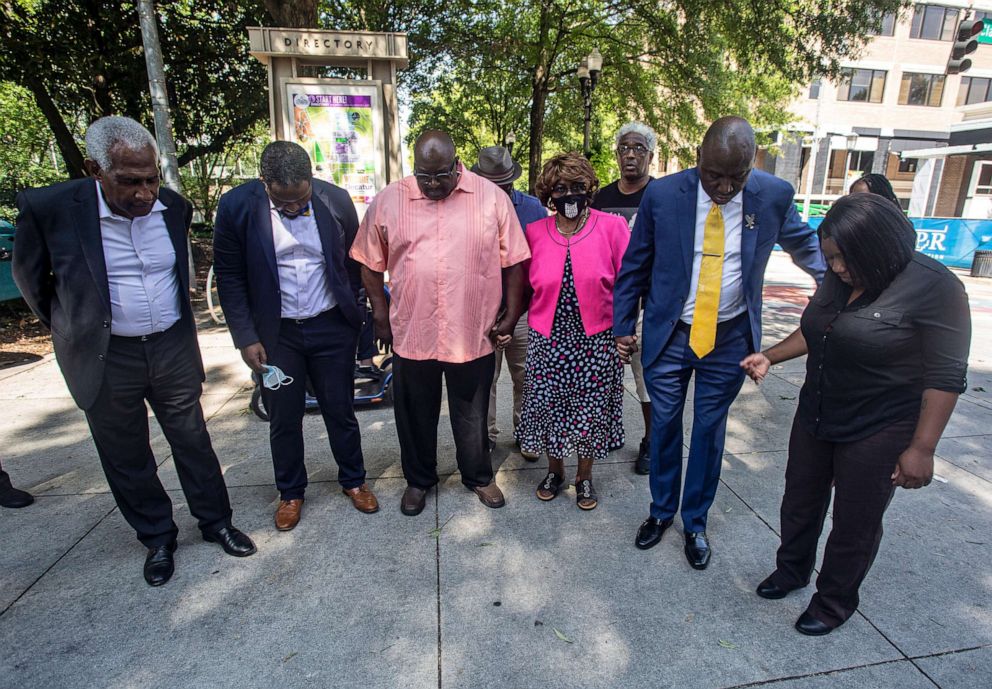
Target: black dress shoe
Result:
[[810, 626], [14, 498], [697, 549], [770, 590], [232, 541], [643, 464], [650, 532], [159, 565]]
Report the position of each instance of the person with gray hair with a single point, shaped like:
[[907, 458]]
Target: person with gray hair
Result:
[[124, 331], [116, 131], [636, 143], [290, 297]]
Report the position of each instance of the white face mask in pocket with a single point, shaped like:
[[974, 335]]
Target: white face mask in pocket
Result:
[[274, 378]]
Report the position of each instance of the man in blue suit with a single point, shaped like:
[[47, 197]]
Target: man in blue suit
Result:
[[698, 253], [290, 297]]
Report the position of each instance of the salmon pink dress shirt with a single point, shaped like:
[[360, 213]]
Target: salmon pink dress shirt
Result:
[[445, 261]]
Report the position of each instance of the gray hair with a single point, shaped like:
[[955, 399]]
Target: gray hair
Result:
[[107, 132], [638, 128], [285, 163]]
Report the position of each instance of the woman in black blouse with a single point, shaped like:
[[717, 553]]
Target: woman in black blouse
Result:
[[887, 334]]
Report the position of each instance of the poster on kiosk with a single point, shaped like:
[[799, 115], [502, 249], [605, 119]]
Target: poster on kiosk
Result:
[[340, 126]]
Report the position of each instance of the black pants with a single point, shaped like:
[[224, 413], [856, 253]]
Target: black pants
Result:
[[417, 404], [323, 348], [860, 472], [4, 480], [162, 370]]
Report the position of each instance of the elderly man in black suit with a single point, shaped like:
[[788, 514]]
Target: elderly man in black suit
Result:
[[103, 264], [290, 297]]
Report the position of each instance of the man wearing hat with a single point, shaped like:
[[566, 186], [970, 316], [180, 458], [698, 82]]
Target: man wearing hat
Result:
[[496, 165]]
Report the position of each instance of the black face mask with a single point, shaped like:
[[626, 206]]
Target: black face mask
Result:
[[571, 206]]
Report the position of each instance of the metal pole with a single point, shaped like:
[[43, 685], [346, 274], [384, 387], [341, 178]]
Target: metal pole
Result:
[[810, 173], [155, 65], [587, 98], [160, 101]]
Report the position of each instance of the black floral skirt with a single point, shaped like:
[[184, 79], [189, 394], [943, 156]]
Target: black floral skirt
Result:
[[573, 386]]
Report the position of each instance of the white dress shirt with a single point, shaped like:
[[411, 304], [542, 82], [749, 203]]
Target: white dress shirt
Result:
[[141, 271], [303, 281], [732, 287]]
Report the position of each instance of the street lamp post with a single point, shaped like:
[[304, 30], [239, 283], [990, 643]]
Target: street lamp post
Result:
[[510, 139], [588, 74]]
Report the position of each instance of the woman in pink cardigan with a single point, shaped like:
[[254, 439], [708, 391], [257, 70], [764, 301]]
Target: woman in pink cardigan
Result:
[[573, 382]]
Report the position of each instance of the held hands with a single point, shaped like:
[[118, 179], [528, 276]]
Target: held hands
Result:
[[756, 366], [500, 335], [383, 331], [254, 356], [626, 346], [914, 468]]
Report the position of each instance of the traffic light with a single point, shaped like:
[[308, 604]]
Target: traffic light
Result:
[[965, 43]]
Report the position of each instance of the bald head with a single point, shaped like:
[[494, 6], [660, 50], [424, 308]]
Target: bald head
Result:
[[731, 134], [725, 158], [433, 146], [435, 164]]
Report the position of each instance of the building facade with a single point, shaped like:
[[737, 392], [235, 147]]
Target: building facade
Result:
[[891, 111]]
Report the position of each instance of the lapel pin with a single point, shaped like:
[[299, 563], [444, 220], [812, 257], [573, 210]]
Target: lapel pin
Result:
[[749, 221]]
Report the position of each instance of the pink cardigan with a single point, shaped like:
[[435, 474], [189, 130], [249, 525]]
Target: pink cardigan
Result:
[[596, 255]]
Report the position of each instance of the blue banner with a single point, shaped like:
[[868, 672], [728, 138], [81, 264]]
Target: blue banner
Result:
[[952, 241]]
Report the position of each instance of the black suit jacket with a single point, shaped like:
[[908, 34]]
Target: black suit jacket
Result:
[[60, 269], [245, 259]]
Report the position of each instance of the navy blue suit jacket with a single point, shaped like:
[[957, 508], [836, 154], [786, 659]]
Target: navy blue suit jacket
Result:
[[658, 261], [245, 259]]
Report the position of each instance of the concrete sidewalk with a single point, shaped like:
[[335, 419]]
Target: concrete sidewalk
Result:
[[532, 595]]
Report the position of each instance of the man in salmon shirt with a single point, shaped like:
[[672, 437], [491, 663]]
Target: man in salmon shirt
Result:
[[453, 247]]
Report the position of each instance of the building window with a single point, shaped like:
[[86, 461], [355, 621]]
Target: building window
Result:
[[814, 90], [888, 26], [974, 90], [982, 180], [934, 23], [861, 161], [921, 89], [908, 164], [864, 85]]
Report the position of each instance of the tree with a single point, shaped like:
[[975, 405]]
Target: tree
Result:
[[27, 151], [84, 58], [674, 64], [207, 177]]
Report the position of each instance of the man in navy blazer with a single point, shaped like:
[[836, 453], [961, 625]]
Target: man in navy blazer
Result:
[[290, 298], [664, 262]]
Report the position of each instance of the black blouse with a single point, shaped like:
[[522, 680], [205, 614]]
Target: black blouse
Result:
[[870, 361]]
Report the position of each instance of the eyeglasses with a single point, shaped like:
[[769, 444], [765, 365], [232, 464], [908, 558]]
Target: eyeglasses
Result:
[[636, 149], [439, 178], [574, 188]]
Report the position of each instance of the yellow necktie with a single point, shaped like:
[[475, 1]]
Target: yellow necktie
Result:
[[702, 336]]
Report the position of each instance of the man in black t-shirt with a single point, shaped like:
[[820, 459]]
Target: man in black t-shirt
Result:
[[635, 151]]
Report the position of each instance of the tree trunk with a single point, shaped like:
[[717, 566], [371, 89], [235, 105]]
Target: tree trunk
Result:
[[294, 14], [539, 98], [538, 101], [70, 152]]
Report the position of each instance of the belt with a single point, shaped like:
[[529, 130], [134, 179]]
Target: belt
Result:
[[301, 321], [684, 327], [144, 338]]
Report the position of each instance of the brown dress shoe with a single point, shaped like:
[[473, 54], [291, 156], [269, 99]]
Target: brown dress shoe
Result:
[[490, 496], [288, 514], [362, 498], [413, 501]]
